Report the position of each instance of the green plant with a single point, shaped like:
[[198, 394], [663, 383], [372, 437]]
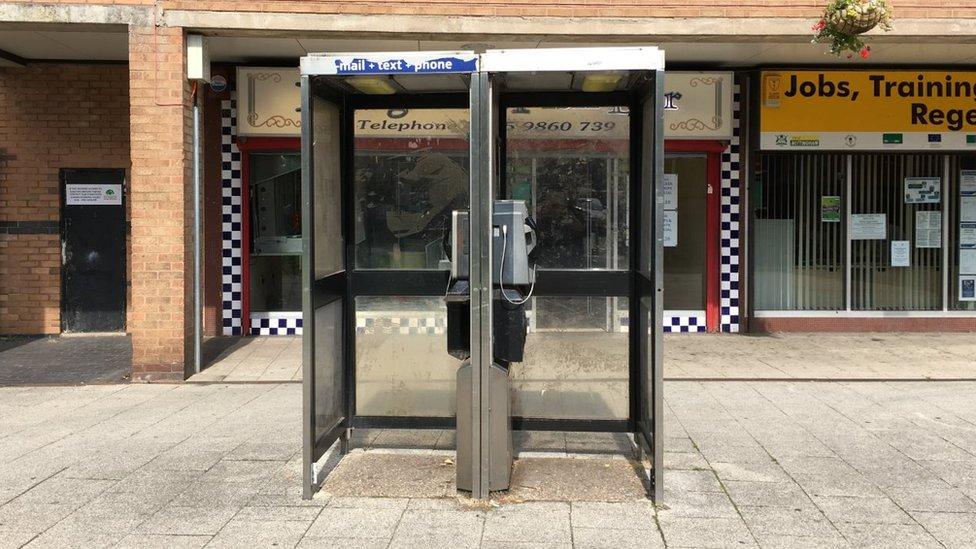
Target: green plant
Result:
[[844, 21]]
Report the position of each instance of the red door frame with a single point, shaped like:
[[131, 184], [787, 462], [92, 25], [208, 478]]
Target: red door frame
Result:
[[711, 148], [248, 145], [713, 152]]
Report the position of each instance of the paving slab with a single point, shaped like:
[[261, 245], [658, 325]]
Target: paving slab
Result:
[[385, 475], [839, 471], [188, 521], [71, 360], [438, 528], [780, 356], [576, 479], [356, 522], [600, 538], [533, 522], [630, 515]]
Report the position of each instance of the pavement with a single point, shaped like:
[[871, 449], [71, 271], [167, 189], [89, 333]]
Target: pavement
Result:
[[780, 356], [66, 360], [747, 464]]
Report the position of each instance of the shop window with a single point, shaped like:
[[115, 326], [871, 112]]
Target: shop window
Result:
[[684, 253], [798, 232], [276, 231], [960, 233], [896, 243], [411, 172]]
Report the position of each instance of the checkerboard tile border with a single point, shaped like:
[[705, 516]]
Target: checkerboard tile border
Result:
[[285, 323], [231, 220], [730, 224], [276, 323], [385, 323], [685, 324]]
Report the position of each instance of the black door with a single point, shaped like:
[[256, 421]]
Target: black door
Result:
[[92, 250]]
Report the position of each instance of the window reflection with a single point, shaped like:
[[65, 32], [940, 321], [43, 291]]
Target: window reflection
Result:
[[276, 231], [574, 179], [410, 175]]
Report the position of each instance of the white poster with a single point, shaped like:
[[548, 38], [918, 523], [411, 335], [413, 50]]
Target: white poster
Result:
[[967, 236], [901, 253], [967, 208], [967, 182], [869, 226], [93, 195], [923, 190], [669, 191], [928, 229], [967, 288], [670, 222], [967, 262]]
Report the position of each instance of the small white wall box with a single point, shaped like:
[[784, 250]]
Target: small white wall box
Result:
[[197, 58]]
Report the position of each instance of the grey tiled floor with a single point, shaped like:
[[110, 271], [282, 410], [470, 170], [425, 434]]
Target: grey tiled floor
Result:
[[76, 359], [748, 464], [882, 356]]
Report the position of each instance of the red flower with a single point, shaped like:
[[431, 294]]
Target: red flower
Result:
[[865, 52], [820, 25]]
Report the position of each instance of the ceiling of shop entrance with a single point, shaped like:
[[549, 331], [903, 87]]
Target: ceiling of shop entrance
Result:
[[46, 44]]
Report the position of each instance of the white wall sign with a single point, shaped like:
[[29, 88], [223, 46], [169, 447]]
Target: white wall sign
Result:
[[267, 101], [967, 182], [967, 236], [670, 222], [869, 226], [967, 262], [923, 190], [901, 253], [928, 229], [669, 191], [697, 105], [93, 195], [967, 288], [967, 208]]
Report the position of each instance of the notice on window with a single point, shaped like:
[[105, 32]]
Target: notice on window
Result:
[[670, 222], [869, 226], [928, 229], [967, 236], [901, 251], [967, 288], [923, 190], [830, 209], [93, 195], [669, 191], [967, 182], [967, 208], [967, 262]]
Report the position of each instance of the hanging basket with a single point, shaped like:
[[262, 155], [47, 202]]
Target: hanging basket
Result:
[[844, 21], [859, 18]]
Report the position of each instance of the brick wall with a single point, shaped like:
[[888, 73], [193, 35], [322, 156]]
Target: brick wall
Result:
[[161, 134], [553, 8], [862, 324], [575, 8], [52, 116]]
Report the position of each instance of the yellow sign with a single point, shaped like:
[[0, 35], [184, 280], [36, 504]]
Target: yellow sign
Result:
[[905, 110]]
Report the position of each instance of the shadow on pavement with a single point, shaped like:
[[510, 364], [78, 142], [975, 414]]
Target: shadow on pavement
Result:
[[71, 360]]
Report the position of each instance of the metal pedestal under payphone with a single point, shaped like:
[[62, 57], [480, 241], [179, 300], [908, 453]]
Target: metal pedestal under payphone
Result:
[[514, 236]]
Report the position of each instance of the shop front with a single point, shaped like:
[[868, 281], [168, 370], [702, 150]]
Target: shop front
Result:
[[570, 165], [863, 201]]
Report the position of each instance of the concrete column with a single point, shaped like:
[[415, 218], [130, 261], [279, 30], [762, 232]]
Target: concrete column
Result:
[[160, 129]]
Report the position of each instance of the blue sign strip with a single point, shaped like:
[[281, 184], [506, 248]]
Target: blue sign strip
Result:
[[362, 65]]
